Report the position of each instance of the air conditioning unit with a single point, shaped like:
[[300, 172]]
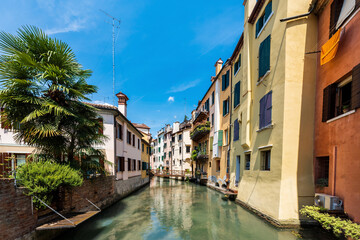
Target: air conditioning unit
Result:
[[327, 201]]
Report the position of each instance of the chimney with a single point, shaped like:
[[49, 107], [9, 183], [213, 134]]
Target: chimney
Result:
[[218, 66], [122, 99]]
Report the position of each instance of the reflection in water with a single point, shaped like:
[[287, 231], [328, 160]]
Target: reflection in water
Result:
[[171, 209]]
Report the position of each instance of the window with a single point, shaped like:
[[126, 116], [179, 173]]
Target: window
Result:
[[225, 80], [159, 150], [121, 164], [159, 140], [179, 150], [264, 57], [265, 110], [173, 139], [212, 119], [147, 150], [187, 149], [225, 107], [237, 94], [236, 130], [237, 65], [144, 166], [165, 145], [263, 19], [129, 164], [213, 98], [128, 137], [139, 165], [138, 143], [180, 137], [265, 160], [339, 98], [133, 140], [164, 154], [119, 131], [334, 16], [226, 137], [207, 105], [247, 161], [20, 159], [322, 171], [142, 148], [218, 165], [180, 162]]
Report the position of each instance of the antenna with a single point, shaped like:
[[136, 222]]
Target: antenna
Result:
[[115, 24]]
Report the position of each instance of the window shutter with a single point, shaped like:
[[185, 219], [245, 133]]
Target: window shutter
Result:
[[224, 108], [268, 109], [211, 143], [334, 15], [267, 54], [329, 102], [220, 138], [236, 130], [268, 10], [261, 60], [223, 82], [355, 88], [237, 94], [262, 112], [227, 78], [257, 28]]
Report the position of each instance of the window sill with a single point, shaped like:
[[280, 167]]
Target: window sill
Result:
[[263, 78], [265, 147], [261, 30], [225, 115], [340, 116], [266, 127], [237, 106]]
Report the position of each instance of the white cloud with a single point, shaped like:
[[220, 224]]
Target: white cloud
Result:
[[171, 99], [101, 102], [184, 86], [175, 116]]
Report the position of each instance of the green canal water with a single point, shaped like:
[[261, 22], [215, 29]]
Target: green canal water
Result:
[[171, 209]]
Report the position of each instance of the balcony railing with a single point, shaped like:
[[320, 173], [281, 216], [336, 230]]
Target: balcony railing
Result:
[[200, 131], [200, 116]]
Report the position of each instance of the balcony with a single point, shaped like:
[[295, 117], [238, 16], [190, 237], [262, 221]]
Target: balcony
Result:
[[200, 131], [200, 155], [200, 116]]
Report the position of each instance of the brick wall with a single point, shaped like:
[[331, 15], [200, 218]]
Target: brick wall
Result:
[[100, 191], [16, 217]]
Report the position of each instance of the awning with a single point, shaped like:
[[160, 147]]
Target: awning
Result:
[[329, 49], [346, 9]]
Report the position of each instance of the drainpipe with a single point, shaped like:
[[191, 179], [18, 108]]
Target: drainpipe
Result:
[[299, 16]]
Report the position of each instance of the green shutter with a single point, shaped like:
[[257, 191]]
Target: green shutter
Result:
[[211, 143], [224, 108], [223, 82], [220, 138], [264, 57]]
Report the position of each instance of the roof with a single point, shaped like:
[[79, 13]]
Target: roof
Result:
[[237, 48], [113, 108], [141, 125]]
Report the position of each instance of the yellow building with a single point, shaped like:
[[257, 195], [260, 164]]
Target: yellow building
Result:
[[145, 156], [276, 111]]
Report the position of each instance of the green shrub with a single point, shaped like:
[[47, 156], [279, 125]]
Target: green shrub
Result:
[[337, 225], [43, 179]]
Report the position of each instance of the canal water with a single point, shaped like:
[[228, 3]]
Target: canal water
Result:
[[171, 209]]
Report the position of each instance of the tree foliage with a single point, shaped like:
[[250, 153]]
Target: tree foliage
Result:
[[43, 93], [43, 179]]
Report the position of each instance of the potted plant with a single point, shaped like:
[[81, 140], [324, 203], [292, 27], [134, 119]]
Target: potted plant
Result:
[[346, 108]]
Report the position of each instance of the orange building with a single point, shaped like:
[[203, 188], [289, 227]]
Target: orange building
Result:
[[337, 119]]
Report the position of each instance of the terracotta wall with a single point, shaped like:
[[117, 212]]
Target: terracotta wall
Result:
[[339, 139]]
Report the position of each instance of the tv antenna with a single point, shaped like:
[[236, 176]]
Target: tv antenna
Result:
[[115, 24]]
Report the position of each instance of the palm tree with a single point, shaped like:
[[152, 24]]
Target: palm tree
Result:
[[43, 93]]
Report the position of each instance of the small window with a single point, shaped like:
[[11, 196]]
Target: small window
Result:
[[139, 165], [212, 119], [133, 140], [180, 137], [247, 161], [213, 98], [236, 130], [187, 149], [225, 107], [237, 94], [179, 150], [119, 131], [218, 165], [322, 172], [237, 65], [263, 19], [128, 137], [139, 144], [129, 164], [225, 80], [265, 160], [142, 147]]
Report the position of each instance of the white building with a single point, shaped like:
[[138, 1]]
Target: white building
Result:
[[181, 146]]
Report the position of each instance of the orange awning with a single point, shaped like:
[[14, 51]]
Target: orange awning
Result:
[[329, 49]]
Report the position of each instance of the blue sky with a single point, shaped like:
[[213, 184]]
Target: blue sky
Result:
[[165, 50]]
